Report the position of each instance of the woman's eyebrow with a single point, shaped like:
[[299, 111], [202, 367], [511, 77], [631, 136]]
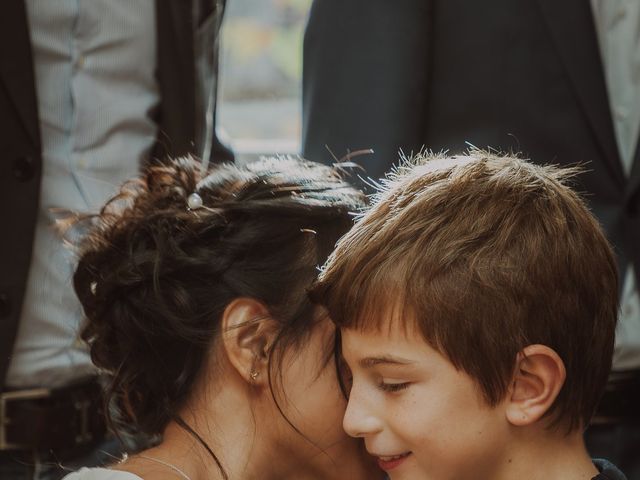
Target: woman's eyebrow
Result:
[[369, 362]]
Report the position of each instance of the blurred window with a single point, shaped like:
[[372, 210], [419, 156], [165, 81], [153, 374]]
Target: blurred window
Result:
[[260, 102]]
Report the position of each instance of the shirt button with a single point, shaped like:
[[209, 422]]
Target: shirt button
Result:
[[628, 311], [82, 163], [621, 113], [80, 61], [619, 14], [24, 168]]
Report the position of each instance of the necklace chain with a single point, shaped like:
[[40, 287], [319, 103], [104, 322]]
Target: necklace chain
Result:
[[168, 465]]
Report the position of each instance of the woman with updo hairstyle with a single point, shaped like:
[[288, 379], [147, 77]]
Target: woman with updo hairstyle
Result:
[[195, 296]]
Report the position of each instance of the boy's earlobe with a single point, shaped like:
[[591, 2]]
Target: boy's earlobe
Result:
[[247, 333], [538, 378]]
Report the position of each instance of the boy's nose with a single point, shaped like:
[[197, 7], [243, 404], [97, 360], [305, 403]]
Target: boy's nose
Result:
[[359, 419]]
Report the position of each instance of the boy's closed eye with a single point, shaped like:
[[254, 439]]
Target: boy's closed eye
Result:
[[387, 374], [393, 386]]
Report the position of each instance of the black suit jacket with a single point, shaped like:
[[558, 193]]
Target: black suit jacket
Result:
[[20, 145], [521, 75]]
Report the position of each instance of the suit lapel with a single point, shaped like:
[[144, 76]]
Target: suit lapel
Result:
[[573, 31], [634, 176], [16, 65]]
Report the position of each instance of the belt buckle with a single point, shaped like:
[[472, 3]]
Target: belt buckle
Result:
[[5, 398]]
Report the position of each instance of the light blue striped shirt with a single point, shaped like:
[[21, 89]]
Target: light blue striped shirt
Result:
[[618, 28], [95, 63]]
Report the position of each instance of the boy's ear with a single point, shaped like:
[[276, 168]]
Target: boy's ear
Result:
[[248, 331], [537, 380]]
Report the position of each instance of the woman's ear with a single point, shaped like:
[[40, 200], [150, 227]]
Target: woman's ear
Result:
[[248, 331], [537, 380]]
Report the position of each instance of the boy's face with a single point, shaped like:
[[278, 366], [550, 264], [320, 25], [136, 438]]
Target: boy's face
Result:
[[420, 417]]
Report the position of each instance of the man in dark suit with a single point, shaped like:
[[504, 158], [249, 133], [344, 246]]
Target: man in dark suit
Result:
[[515, 75], [84, 91]]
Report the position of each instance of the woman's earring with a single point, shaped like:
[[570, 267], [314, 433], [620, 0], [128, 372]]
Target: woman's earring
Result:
[[254, 375]]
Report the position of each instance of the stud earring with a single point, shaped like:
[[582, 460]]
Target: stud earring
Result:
[[254, 375]]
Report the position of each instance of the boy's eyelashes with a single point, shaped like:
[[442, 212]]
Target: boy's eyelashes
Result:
[[392, 387], [346, 377]]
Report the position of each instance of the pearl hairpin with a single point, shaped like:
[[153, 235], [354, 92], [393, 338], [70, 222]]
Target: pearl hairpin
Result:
[[194, 201]]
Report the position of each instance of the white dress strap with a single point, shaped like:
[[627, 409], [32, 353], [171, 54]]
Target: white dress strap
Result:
[[101, 474]]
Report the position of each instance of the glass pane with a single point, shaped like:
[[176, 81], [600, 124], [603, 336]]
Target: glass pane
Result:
[[259, 105]]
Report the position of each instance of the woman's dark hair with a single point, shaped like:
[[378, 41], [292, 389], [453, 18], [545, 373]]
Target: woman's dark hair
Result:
[[154, 276]]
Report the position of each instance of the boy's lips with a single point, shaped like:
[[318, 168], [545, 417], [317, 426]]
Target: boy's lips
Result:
[[388, 462]]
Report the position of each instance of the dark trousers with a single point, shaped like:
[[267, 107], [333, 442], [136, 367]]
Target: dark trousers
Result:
[[618, 443]]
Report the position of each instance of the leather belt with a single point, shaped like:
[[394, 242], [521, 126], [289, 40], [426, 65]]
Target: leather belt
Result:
[[64, 419], [620, 402]]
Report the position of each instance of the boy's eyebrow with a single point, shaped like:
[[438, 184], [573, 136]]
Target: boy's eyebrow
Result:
[[383, 360]]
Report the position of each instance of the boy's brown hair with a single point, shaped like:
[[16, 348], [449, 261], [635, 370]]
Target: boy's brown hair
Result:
[[486, 254]]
